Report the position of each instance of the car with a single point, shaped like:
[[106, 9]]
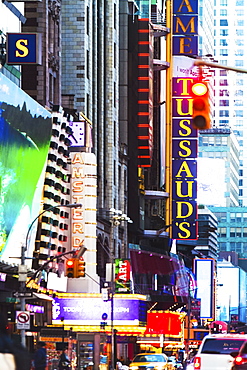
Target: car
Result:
[[215, 351], [240, 358], [149, 361]]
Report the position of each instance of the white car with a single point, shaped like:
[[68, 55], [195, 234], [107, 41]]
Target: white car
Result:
[[214, 351]]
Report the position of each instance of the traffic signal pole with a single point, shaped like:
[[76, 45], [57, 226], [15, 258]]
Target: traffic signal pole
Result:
[[201, 63]]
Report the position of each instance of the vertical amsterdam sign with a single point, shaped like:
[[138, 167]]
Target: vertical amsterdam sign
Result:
[[184, 163], [185, 27]]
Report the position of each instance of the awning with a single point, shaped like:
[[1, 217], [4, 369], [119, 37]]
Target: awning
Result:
[[145, 262]]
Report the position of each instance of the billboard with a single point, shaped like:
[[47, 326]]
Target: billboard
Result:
[[231, 303], [89, 310], [25, 133], [204, 272]]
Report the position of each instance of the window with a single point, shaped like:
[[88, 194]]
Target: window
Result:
[[238, 103], [239, 52], [222, 246], [239, 22], [239, 113], [239, 82], [239, 93], [223, 82], [224, 103], [224, 113], [223, 72], [224, 52], [223, 42], [240, 32], [222, 232], [224, 93], [240, 13], [223, 12], [238, 232], [239, 63], [224, 22], [224, 122], [239, 42], [224, 32], [244, 232], [223, 2], [232, 232]]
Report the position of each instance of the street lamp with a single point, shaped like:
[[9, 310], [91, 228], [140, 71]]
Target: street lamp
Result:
[[116, 217], [23, 268]]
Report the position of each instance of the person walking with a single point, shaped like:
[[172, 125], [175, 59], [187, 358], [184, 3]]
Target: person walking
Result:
[[40, 358], [64, 362]]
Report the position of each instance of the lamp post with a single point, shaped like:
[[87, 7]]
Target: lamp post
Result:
[[116, 217], [22, 267]]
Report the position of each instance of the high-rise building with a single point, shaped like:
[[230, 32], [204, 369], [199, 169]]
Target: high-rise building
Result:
[[230, 93]]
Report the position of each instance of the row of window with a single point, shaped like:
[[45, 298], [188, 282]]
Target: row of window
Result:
[[225, 2], [226, 93], [237, 247], [225, 32], [234, 216], [238, 82], [235, 232], [237, 113]]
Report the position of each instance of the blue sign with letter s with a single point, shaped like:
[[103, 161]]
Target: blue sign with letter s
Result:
[[23, 48]]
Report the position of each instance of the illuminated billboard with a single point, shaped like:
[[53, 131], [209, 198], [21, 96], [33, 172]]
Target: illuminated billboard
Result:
[[231, 302], [25, 132], [88, 310], [204, 272]]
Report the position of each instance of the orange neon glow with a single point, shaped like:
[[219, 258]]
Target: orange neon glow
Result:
[[143, 101], [143, 137], [143, 113], [143, 78], [143, 90], [143, 66]]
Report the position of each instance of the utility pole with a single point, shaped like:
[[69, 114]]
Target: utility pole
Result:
[[22, 269], [116, 217]]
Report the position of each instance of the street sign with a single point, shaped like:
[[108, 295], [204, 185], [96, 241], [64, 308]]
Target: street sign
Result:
[[23, 294], [22, 320]]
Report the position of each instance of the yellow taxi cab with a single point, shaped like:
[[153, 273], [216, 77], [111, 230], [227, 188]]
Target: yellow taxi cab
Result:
[[149, 361]]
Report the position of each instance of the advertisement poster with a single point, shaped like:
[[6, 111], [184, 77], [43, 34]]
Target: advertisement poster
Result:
[[25, 133]]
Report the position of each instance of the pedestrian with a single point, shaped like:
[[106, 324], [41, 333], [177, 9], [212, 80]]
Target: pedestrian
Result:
[[13, 355], [64, 362], [40, 358]]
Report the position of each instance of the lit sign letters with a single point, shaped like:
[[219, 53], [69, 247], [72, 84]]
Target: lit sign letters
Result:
[[184, 164], [185, 27]]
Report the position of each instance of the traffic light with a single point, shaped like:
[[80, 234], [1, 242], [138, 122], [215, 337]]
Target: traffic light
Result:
[[71, 268], [80, 268], [201, 105]]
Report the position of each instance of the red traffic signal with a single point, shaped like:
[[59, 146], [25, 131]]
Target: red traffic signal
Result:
[[201, 105], [71, 267]]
